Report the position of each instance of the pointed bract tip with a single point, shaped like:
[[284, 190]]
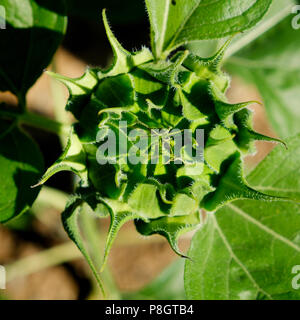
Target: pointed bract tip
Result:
[[253, 102], [283, 143], [258, 102], [220, 53], [188, 258], [116, 46], [50, 73], [36, 185], [104, 14], [56, 76]]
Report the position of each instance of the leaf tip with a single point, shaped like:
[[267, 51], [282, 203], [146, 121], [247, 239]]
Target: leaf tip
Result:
[[37, 185]]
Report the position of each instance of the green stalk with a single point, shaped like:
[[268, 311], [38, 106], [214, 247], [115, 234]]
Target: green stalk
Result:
[[43, 123], [37, 121], [59, 104], [96, 241], [50, 197], [42, 260]]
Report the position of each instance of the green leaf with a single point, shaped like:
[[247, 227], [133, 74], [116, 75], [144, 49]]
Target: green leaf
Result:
[[169, 227], [272, 64], [119, 215], [80, 89], [124, 61], [73, 159], [145, 202], [247, 249], [34, 30], [143, 206], [116, 91], [232, 186], [279, 10], [165, 71], [21, 166], [167, 286], [246, 135], [70, 222], [174, 23]]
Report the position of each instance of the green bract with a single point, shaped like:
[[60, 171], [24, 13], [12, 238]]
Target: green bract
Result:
[[183, 92]]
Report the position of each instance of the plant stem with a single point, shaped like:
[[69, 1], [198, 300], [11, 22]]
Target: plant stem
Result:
[[22, 102], [50, 197], [37, 121], [59, 103], [60, 254], [42, 260], [96, 241], [41, 122]]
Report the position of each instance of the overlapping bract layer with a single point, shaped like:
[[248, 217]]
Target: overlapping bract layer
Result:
[[184, 92]]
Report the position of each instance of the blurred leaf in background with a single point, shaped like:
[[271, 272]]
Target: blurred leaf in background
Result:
[[34, 30], [21, 164], [272, 64]]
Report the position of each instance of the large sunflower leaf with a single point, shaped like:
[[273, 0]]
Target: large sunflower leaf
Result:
[[21, 165], [247, 249], [177, 22]]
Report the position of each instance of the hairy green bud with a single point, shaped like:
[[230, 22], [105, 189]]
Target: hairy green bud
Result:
[[183, 92]]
